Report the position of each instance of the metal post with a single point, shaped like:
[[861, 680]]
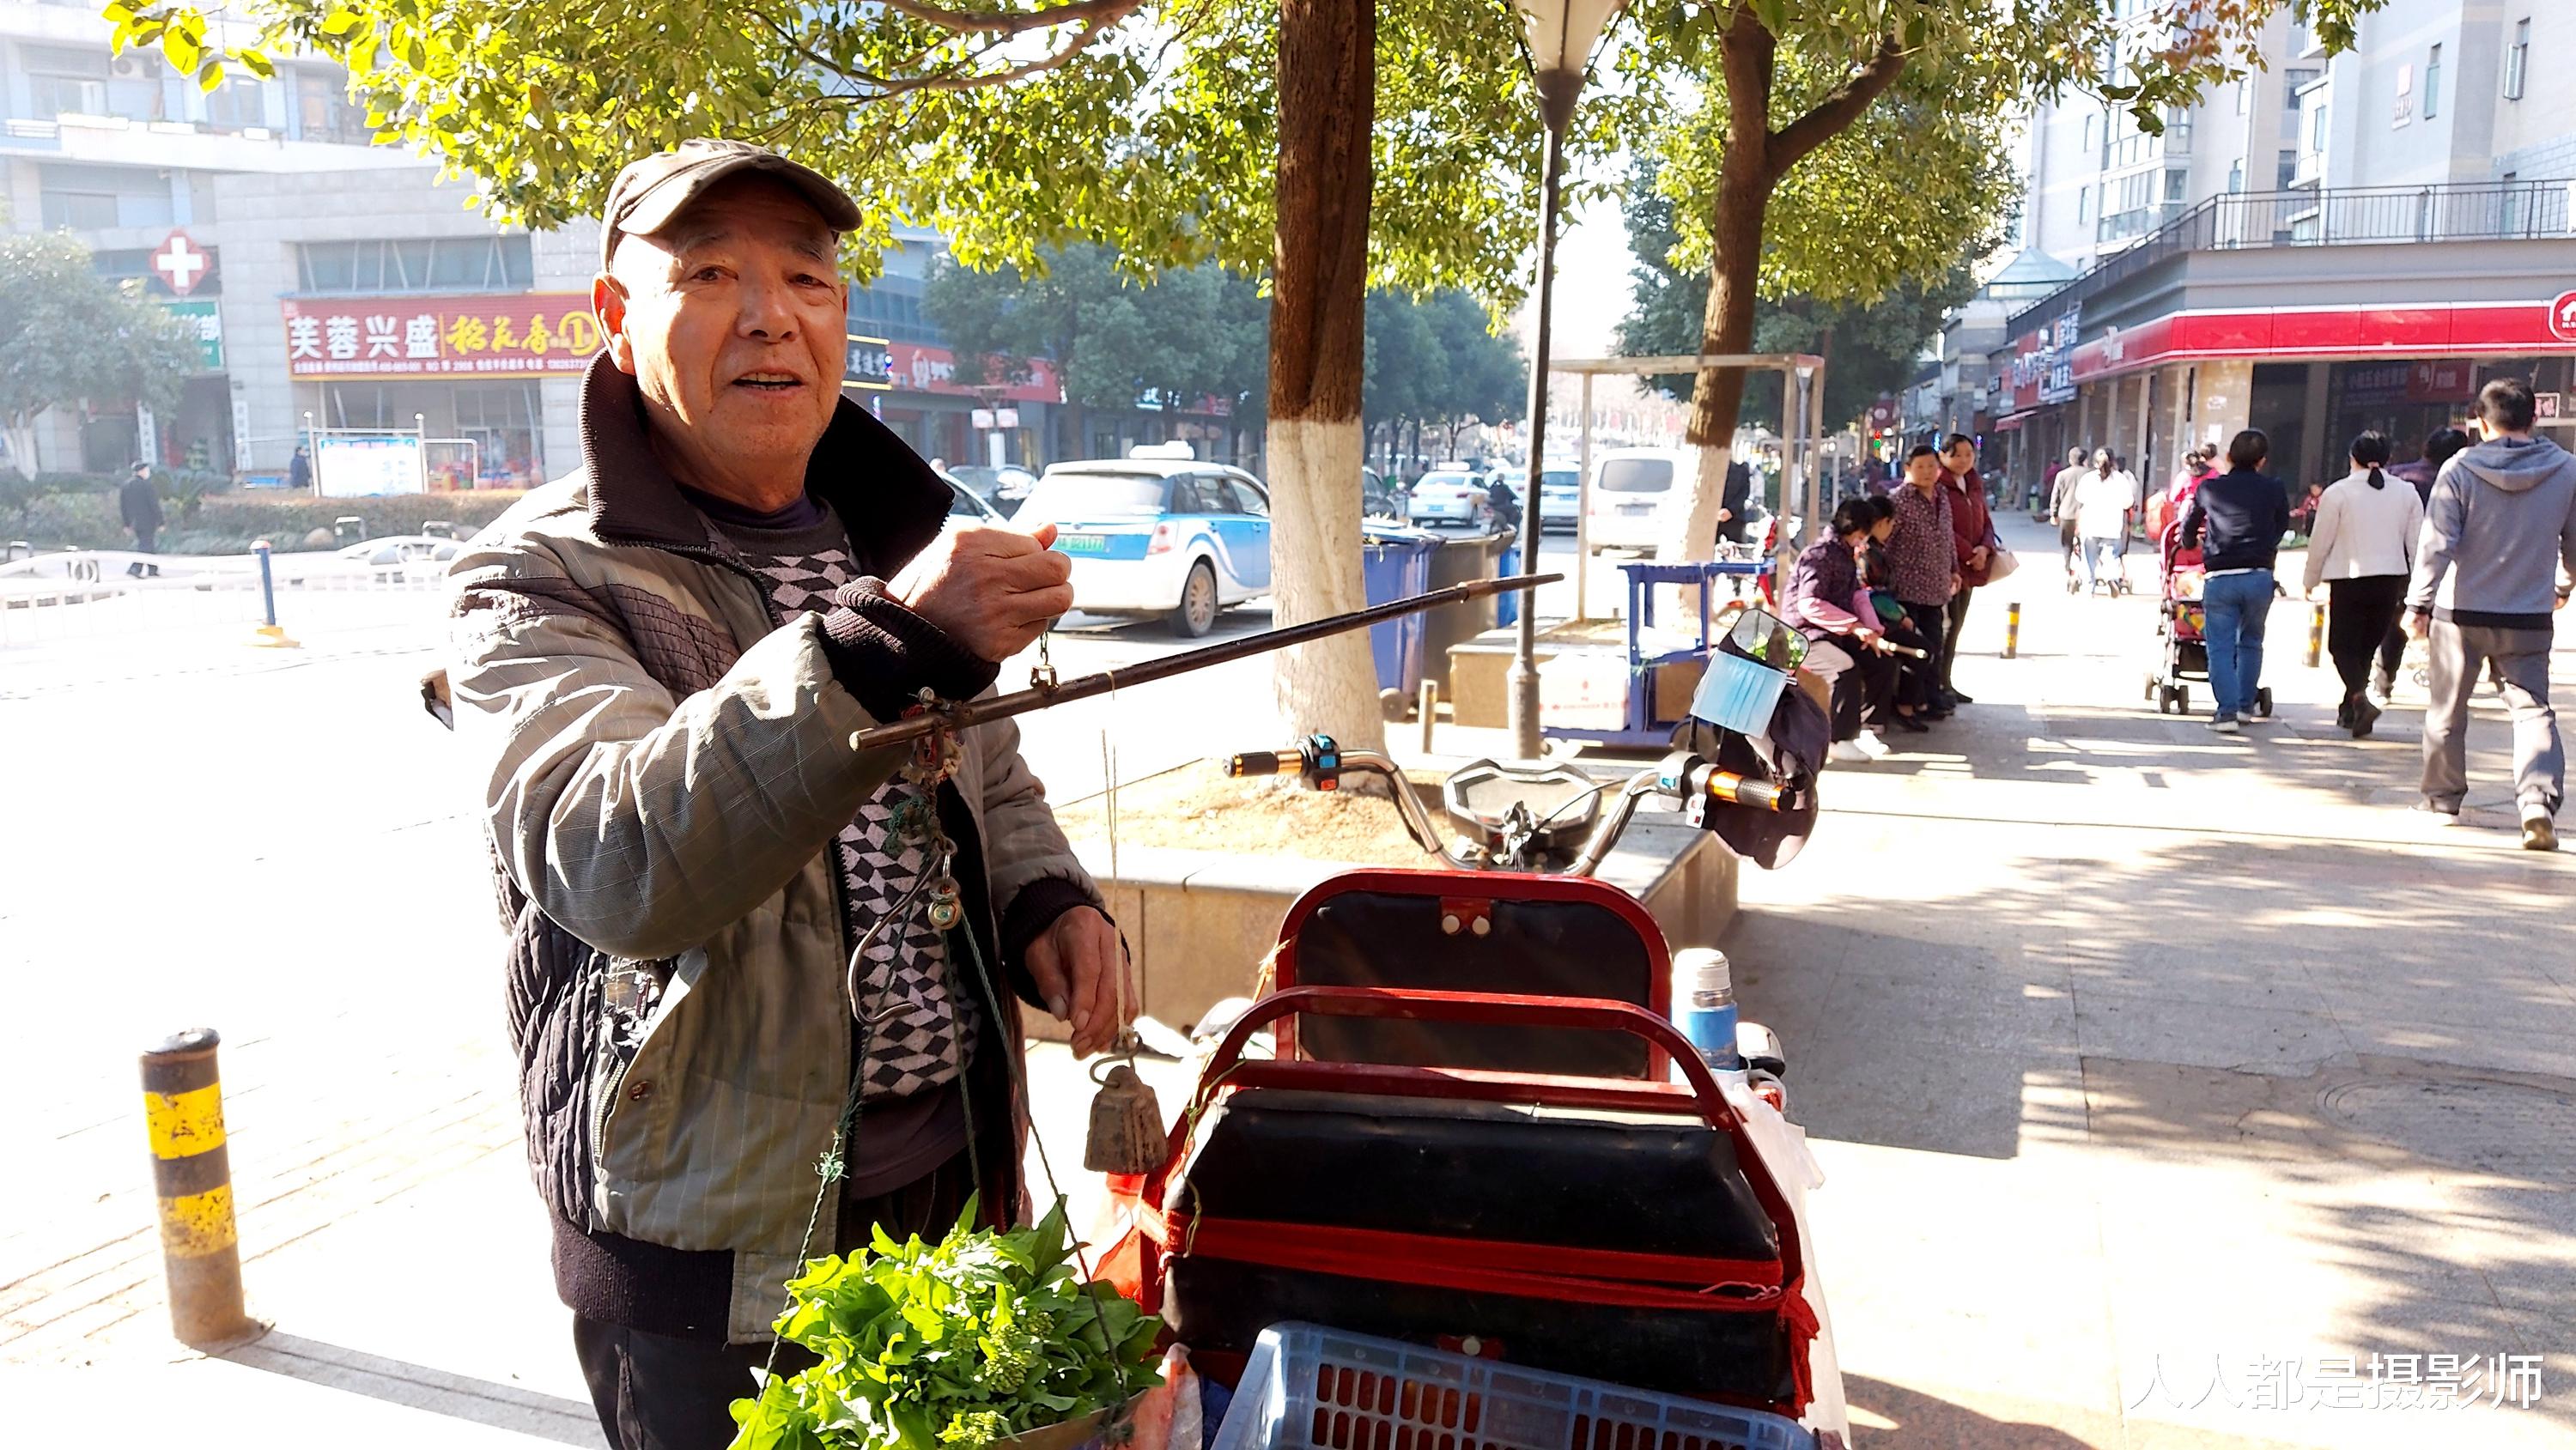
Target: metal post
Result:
[[2316, 633], [1521, 680], [1430, 708], [2012, 630], [268, 635], [183, 1114], [1583, 510]]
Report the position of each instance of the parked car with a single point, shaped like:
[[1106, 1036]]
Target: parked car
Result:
[[1157, 536], [1004, 487], [1560, 496], [965, 510], [1630, 487], [1378, 499], [1449, 496]]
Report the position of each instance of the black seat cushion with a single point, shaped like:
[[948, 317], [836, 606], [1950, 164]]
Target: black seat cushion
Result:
[[1489, 1173], [1535, 948]]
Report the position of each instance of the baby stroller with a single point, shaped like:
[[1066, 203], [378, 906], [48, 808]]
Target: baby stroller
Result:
[[2182, 648]]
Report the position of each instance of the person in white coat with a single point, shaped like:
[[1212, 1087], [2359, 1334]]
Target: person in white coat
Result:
[[2362, 550]]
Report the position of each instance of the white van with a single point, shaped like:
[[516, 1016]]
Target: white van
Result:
[[1630, 488]]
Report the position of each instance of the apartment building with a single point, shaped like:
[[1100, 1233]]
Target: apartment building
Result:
[[2329, 245]]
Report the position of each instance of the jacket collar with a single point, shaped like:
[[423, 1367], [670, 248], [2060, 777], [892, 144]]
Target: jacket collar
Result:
[[890, 500]]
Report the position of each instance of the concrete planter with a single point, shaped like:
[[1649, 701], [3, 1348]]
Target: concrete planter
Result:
[[1201, 922]]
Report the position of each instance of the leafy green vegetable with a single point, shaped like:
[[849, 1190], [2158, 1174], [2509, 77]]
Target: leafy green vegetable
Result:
[[949, 1346]]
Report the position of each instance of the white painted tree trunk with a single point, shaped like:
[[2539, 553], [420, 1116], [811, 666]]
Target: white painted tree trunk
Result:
[[1331, 684]]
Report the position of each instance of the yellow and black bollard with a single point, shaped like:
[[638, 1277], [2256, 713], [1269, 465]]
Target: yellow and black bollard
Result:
[[2316, 633], [2012, 630], [183, 1110]]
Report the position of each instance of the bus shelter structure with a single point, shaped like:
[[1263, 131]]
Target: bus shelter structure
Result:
[[1802, 485]]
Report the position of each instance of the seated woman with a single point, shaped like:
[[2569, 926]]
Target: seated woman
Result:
[[1828, 602]]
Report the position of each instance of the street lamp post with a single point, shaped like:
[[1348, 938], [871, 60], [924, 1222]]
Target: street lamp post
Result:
[[1561, 36]]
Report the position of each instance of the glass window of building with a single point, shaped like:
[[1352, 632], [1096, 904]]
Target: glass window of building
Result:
[[2432, 82], [425, 264], [62, 80], [88, 197], [322, 109], [237, 105], [2517, 61], [502, 419], [2291, 82]]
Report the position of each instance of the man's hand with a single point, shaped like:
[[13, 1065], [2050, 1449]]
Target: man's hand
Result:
[[992, 590], [1076, 963], [2418, 625]]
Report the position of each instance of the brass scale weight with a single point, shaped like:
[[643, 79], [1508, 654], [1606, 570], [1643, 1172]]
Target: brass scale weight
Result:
[[1126, 1124]]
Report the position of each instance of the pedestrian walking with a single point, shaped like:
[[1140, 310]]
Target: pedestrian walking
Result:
[[2440, 446], [2106, 499], [730, 933], [138, 504], [1972, 530], [2061, 511], [2498, 544], [1828, 602], [1923, 559], [2362, 551], [2236, 520], [299, 470]]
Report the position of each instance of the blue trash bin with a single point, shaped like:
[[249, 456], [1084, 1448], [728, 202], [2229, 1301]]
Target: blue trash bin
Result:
[[1396, 564], [1507, 607]]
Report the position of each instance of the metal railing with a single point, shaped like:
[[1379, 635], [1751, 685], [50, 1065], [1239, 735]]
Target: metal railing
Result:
[[2342, 216]]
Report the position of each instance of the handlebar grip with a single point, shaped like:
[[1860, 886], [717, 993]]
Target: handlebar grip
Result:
[[1250, 763], [1761, 795]]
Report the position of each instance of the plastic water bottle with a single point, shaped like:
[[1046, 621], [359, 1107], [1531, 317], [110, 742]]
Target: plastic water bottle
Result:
[[1704, 1005]]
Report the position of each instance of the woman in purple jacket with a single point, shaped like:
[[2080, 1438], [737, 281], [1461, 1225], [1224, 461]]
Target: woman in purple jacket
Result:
[[1828, 603]]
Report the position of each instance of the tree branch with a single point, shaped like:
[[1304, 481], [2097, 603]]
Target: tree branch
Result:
[[1013, 22], [1790, 144], [952, 78]]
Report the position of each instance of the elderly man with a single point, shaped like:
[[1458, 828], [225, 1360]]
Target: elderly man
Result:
[[730, 931]]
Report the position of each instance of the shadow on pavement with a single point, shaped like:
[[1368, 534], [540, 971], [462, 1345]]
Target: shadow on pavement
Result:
[[1927, 1422], [413, 1386]]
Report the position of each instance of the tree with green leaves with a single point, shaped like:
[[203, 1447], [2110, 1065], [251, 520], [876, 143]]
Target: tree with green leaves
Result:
[[1826, 130], [1323, 144], [1186, 335], [69, 336], [1869, 348], [1434, 361]]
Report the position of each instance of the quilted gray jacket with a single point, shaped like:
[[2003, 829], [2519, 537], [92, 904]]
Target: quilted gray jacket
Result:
[[664, 767]]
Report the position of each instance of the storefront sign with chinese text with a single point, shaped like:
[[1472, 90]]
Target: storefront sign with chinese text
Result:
[[542, 334], [205, 323]]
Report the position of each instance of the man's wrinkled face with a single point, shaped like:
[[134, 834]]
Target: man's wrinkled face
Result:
[[731, 319]]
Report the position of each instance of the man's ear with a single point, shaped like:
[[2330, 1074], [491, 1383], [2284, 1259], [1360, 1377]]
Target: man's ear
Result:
[[608, 299]]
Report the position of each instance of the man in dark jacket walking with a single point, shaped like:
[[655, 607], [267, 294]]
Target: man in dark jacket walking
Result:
[[2501, 527], [139, 505], [2236, 520]]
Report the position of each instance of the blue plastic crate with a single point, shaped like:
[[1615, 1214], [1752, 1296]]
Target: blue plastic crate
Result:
[[1306, 1387]]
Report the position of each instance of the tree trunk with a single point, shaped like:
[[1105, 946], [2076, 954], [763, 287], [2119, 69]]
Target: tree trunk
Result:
[[1327, 85], [22, 449], [1744, 184]]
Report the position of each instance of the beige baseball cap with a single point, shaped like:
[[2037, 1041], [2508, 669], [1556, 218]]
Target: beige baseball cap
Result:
[[648, 193]]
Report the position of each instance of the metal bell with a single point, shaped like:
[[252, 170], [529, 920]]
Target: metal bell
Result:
[[1126, 1125]]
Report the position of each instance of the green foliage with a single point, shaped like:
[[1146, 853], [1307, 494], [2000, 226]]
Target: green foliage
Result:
[[1869, 347], [68, 335], [1153, 130], [81, 513], [1190, 333], [1434, 359], [949, 1346]]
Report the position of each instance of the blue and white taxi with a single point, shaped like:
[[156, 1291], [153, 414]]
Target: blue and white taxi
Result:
[[1157, 534]]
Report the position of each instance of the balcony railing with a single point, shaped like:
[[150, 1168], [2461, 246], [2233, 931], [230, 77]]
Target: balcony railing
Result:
[[2344, 216]]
